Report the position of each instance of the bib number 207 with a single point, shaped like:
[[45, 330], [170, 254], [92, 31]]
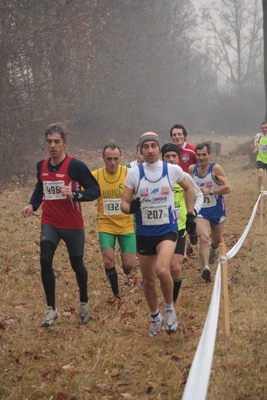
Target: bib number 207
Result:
[[154, 214]]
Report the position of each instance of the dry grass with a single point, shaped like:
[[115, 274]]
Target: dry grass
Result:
[[113, 357]]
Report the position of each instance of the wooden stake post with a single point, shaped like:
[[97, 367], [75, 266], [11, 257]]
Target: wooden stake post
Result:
[[224, 290]]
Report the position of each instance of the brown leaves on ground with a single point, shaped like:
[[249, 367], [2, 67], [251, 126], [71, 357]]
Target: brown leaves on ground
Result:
[[112, 357]]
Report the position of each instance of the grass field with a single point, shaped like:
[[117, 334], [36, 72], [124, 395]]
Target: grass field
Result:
[[112, 357]]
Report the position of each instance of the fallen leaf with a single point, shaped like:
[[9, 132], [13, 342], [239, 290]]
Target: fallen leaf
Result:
[[67, 366]]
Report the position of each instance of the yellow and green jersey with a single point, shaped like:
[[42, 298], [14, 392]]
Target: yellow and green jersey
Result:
[[262, 152], [110, 219]]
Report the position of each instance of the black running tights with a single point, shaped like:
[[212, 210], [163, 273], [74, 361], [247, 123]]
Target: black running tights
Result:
[[48, 277]]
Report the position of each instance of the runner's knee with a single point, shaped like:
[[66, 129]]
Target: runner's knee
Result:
[[203, 238], [77, 263], [47, 253]]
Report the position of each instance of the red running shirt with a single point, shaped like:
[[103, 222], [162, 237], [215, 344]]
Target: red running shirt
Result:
[[187, 156], [58, 210]]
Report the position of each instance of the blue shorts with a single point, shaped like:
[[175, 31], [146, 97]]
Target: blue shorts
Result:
[[216, 214], [213, 220]]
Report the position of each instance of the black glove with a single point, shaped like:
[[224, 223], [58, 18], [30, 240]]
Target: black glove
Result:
[[193, 238], [135, 205], [190, 223]]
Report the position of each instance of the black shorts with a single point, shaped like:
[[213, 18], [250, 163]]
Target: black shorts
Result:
[[147, 245], [180, 245], [260, 164]]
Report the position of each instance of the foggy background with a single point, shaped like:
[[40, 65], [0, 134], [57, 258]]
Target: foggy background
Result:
[[111, 70]]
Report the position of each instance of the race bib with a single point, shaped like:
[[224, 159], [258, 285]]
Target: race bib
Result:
[[209, 201], [112, 206], [155, 215], [262, 148], [52, 190]]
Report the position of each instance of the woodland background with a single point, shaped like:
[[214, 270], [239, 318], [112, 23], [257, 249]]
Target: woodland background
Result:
[[111, 70]]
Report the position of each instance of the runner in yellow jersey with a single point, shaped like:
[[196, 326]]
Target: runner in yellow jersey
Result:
[[260, 148], [112, 223]]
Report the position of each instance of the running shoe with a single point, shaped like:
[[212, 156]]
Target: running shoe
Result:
[[213, 255], [171, 321], [155, 327], [84, 313], [50, 316], [206, 274]]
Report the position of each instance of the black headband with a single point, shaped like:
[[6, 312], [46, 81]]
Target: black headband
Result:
[[170, 147]]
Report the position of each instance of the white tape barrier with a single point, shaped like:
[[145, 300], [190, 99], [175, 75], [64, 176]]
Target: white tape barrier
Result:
[[231, 253], [198, 379]]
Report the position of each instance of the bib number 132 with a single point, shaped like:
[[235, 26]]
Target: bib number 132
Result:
[[112, 206]]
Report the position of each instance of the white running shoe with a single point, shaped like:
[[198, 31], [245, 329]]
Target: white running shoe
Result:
[[171, 321], [155, 327], [84, 313], [50, 316], [206, 274]]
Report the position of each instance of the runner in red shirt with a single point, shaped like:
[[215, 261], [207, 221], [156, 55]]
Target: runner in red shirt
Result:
[[187, 151], [63, 182], [178, 134]]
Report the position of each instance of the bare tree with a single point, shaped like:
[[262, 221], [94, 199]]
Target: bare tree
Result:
[[108, 69], [234, 42], [46, 51]]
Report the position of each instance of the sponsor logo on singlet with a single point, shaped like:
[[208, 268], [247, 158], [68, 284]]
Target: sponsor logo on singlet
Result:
[[144, 192], [165, 190], [209, 184]]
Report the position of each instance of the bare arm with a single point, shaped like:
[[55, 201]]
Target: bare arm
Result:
[[191, 169], [220, 177], [256, 144], [126, 200], [255, 149]]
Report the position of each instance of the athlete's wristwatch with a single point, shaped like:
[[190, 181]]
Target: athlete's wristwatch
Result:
[[211, 192]]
